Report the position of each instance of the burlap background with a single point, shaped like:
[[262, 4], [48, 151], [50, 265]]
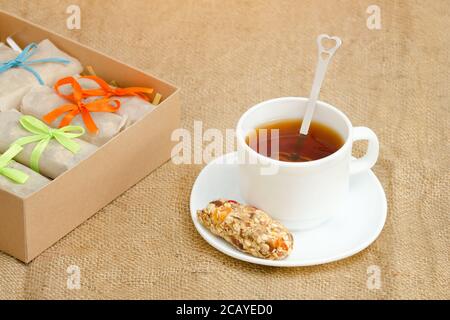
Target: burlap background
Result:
[[227, 56]]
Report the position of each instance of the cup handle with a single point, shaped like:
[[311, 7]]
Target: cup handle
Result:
[[370, 158]]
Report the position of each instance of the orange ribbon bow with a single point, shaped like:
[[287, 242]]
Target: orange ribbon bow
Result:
[[105, 90], [77, 106]]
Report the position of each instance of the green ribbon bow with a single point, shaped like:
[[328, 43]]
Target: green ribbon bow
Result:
[[44, 134], [12, 174]]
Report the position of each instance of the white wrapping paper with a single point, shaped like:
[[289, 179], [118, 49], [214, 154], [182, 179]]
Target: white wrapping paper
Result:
[[16, 82], [54, 161], [34, 183], [134, 108]]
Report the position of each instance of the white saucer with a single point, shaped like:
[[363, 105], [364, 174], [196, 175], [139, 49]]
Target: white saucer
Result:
[[342, 236]]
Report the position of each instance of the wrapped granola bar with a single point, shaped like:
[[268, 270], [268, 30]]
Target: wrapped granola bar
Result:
[[38, 64], [17, 179], [41, 100], [134, 102], [247, 228], [55, 159]]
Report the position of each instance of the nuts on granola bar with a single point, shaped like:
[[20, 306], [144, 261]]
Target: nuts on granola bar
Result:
[[247, 228]]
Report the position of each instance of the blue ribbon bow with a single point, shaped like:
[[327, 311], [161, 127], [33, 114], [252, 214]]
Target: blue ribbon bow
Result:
[[21, 61]]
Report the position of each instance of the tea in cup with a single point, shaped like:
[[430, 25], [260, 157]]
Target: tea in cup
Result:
[[310, 182]]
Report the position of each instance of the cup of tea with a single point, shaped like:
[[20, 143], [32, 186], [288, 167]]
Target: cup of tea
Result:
[[299, 180]]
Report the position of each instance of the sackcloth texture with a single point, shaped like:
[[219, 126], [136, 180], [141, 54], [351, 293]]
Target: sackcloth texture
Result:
[[227, 56]]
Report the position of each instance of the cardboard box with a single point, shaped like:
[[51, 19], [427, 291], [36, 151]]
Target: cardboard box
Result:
[[29, 226]]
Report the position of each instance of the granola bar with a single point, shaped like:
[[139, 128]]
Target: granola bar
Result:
[[247, 228]]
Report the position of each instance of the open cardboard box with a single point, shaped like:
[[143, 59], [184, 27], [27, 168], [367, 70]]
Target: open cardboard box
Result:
[[31, 225]]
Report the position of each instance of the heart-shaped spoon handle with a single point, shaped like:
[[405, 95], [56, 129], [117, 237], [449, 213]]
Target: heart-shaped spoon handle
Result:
[[325, 56]]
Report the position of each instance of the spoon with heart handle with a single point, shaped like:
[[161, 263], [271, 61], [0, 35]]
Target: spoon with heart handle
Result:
[[325, 55]]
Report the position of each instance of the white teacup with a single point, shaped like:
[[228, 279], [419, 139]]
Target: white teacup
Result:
[[301, 195]]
